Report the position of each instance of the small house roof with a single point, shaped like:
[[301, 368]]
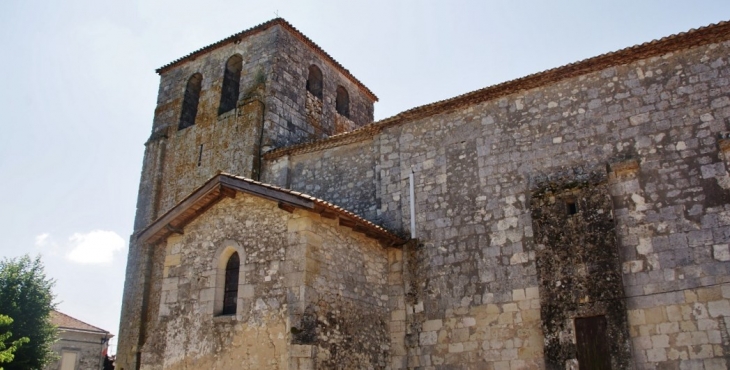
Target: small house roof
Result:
[[226, 185], [66, 322]]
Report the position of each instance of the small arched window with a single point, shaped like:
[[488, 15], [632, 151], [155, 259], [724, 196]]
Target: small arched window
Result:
[[231, 84], [190, 101], [230, 289], [342, 102], [314, 81]]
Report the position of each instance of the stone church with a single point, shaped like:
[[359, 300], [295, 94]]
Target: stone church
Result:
[[575, 218]]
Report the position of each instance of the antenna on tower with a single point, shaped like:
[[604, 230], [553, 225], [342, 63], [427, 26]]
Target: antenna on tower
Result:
[[277, 13]]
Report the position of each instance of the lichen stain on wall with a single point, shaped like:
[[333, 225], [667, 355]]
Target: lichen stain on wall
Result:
[[578, 266], [229, 144], [345, 318]]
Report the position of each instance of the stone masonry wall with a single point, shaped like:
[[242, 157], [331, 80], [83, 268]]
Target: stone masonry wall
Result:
[[199, 152], [347, 177], [397, 308], [313, 112], [230, 141], [134, 317], [312, 294], [257, 54], [286, 116], [473, 171], [345, 317], [86, 346], [154, 185], [184, 330]]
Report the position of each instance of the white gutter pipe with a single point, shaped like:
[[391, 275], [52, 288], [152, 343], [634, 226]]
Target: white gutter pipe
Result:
[[413, 206]]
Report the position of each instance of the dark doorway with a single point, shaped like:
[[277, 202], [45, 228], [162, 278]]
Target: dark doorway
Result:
[[592, 343]]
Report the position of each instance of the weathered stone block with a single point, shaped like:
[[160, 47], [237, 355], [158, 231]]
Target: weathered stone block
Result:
[[715, 364], [456, 348], [719, 308], [432, 325], [172, 260], [428, 338], [207, 295], [721, 252], [656, 354], [299, 224], [655, 315], [700, 351], [298, 350], [636, 317]]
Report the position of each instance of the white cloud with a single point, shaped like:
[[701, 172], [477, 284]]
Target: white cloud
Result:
[[47, 245], [42, 239], [95, 247]]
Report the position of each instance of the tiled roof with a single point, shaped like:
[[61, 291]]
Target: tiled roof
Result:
[[225, 185], [263, 27], [696, 37], [63, 321]]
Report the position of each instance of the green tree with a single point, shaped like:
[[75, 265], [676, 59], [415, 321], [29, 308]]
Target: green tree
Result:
[[6, 347], [25, 295]]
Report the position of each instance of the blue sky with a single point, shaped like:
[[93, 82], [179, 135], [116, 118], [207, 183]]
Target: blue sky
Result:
[[79, 92]]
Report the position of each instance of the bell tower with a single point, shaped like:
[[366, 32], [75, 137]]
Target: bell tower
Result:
[[218, 110]]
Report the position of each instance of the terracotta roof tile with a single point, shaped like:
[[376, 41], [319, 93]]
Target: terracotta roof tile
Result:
[[212, 191], [318, 201], [63, 321]]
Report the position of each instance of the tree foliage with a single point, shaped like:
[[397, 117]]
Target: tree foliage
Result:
[[6, 346], [26, 297]]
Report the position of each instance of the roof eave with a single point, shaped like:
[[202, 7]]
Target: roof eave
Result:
[[224, 185], [100, 333]]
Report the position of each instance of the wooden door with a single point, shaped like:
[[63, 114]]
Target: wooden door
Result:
[[592, 343]]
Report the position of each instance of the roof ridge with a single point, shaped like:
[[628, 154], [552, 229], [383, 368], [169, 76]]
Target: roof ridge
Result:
[[176, 216], [77, 320], [260, 28], [714, 32], [311, 197]]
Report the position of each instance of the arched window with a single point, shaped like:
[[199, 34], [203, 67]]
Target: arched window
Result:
[[314, 81], [229, 277], [342, 102], [231, 82], [190, 101], [230, 289]]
